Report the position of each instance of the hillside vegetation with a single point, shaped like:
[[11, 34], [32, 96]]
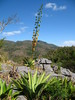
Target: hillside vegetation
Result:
[[18, 50], [64, 56]]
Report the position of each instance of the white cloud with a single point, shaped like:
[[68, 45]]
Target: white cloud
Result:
[[62, 8], [54, 6], [22, 29], [50, 5], [69, 43], [11, 33]]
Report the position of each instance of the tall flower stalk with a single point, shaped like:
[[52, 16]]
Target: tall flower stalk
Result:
[[36, 29]]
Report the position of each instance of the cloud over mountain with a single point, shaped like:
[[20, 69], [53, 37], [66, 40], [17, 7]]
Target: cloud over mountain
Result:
[[69, 43]]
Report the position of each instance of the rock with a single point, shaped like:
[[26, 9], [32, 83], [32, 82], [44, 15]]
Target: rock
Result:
[[24, 69], [21, 98], [57, 75], [65, 72], [44, 60], [6, 67], [43, 63], [73, 77], [48, 68], [55, 68]]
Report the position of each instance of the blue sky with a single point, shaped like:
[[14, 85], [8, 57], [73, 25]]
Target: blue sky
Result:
[[58, 21]]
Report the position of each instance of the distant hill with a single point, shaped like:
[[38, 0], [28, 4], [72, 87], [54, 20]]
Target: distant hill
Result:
[[17, 50]]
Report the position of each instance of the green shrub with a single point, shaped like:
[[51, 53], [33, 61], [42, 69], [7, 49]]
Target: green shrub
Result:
[[5, 91], [29, 62], [63, 56], [32, 86], [60, 89], [38, 88]]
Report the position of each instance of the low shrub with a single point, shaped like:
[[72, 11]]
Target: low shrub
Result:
[[28, 62]]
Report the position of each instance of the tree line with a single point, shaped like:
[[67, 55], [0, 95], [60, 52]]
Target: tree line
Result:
[[63, 56]]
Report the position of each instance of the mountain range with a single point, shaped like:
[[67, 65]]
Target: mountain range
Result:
[[17, 50]]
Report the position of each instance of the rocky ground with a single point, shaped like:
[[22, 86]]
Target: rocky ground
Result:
[[40, 65]]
